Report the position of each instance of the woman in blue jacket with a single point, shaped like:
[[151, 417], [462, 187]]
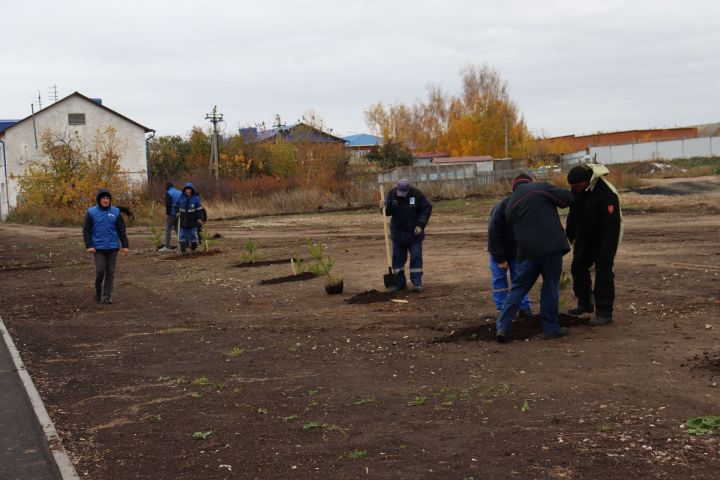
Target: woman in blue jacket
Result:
[[104, 235]]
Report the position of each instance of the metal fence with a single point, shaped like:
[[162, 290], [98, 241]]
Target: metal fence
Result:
[[454, 178], [656, 150]]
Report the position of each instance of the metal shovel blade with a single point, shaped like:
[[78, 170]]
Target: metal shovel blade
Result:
[[390, 279]]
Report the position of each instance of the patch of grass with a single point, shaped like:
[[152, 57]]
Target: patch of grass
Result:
[[417, 401], [262, 411], [164, 378], [235, 352], [203, 435], [201, 381], [363, 401], [313, 392], [291, 417], [170, 330], [604, 428], [196, 395], [327, 427], [355, 454], [706, 425], [525, 406]]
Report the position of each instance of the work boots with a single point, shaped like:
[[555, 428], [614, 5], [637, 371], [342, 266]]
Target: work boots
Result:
[[582, 307], [601, 319]]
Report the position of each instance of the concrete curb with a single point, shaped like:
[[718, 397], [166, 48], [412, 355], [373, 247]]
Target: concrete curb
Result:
[[67, 470]]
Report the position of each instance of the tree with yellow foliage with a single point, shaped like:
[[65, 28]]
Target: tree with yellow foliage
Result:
[[472, 123]]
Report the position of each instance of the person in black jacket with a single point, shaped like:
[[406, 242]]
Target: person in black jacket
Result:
[[410, 212], [594, 224], [503, 256], [541, 242], [104, 234]]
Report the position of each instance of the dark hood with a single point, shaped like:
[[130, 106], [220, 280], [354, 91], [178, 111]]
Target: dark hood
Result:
[[103, 192], [191, 186]]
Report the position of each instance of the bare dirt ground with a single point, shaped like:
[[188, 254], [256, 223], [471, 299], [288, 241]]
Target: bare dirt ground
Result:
[[294, 383]]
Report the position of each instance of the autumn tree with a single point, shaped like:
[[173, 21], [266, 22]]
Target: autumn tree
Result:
[[71, 171], [472, 123]]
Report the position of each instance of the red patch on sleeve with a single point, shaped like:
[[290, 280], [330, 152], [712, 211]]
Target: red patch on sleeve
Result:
[[611, 208]]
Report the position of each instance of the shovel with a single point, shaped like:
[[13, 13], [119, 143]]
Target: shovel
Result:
[[390, 279]]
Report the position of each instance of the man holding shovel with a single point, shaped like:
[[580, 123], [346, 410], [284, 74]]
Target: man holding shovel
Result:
[[410, 211]]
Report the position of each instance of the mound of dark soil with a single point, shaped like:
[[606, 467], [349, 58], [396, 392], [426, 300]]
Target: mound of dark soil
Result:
[[261, 263], [289, 278], [372, 296], [521, 329], [705, 364]]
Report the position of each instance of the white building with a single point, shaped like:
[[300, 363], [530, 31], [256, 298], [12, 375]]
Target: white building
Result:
[[75, 114]]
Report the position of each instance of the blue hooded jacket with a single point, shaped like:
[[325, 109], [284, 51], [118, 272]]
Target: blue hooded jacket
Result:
[[104, 228], [190, 208]]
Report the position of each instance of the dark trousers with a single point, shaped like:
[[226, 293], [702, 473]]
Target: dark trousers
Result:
[[105, 270], [549, 266], [584, 257], [399, 257], [171, 224]]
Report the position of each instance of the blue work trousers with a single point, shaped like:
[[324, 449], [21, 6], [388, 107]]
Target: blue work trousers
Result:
[[549, 266], [399, 257], [500, 285]]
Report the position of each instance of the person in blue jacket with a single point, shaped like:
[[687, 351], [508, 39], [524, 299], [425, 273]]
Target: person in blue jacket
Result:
[[533, 213], [192, 214], [503, 255], [172, 196], [104, 235], [410, 212]]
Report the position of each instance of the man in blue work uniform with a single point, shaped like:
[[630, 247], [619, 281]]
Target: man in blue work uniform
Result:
[[503, 255], [104, 235], [192, 215], [410, 212], [172, 197]]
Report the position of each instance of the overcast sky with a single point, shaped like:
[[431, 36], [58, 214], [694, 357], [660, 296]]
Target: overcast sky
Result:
[[572, 66]]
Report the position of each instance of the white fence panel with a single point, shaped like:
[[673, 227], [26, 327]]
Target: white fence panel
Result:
[[640, 152]]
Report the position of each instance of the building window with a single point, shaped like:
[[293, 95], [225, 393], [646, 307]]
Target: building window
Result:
[[76, 119]]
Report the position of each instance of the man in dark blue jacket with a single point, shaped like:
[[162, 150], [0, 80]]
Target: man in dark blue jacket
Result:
[[503, 255], [541, 241], [104, 234], [172, 197], [410, 212], [192, 214]]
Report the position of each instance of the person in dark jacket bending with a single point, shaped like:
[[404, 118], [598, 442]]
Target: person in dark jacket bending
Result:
[[503, 255], [594, 224], [192, 214], [104, 234], [541, 242], [172, 196], [410, 212]]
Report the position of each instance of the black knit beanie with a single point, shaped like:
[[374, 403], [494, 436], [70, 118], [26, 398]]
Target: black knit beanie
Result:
[[579, 174]]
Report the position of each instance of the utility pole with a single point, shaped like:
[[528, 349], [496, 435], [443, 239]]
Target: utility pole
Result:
[[214, 118], [506, 132]]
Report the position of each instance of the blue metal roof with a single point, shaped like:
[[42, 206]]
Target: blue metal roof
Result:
[[362, 140], [5, 124]]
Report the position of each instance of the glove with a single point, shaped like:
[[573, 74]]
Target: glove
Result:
[[199, 222], [418, 230]]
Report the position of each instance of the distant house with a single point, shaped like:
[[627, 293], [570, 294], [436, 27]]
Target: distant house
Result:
[[426, 158], [362, 144], [298, 133], [75, 114]]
